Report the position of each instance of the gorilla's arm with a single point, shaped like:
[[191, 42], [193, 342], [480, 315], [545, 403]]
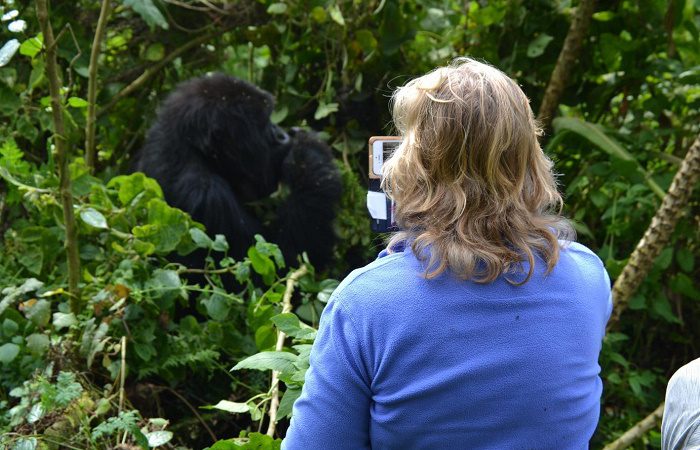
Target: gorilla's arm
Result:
[[305, 219], [210, 200]]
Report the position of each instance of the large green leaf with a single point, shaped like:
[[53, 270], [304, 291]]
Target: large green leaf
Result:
[[596, 136], [280, 361], [149, 12]]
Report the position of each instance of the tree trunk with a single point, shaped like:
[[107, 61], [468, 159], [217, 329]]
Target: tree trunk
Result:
[[659, 232], [59, 138], [567, 58]]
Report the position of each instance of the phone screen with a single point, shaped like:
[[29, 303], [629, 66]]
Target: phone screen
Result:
[[389, 148], [380, 150]]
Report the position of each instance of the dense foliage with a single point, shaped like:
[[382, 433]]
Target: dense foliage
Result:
[[144, 348]]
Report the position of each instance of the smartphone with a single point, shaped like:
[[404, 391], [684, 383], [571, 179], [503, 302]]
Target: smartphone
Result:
[[379, 205]]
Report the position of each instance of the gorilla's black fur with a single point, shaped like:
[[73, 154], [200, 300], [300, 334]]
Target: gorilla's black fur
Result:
[[214, 150]]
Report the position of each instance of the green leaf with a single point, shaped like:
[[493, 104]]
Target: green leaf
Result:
[[9, 327], [94, 218], [325, 109], [8, 352], [232, 407], [68, 389], [77, 102], [130, 186], [154, 52], [538, 45], [32, 46], [37, 343], [326, 290], [637, 302], [226, 444], [596, 136], [280, 361], [158, 438], [603, 16], [200, 238], [262, 264], [280, 114], [366, 40], [217, 307], [683, 284], [662, 307], [220, 244], [8, 50], [148, 12], [39, 313], [319, 14], [663, 261], [336, 15], [287, 402], [93, 340], [277, 8], [32, 259], [165, 228], [166, 284], [26, 444], [9, 102], [287, 323], [685, 259]]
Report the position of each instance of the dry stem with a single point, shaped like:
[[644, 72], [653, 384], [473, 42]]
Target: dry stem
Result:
[[274, 389], [637, 431]]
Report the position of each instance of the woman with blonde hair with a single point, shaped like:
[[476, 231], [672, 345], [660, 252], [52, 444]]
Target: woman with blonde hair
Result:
[[481, 323]]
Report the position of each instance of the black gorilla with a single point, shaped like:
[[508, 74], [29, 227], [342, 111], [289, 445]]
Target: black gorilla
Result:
[[214, 151]]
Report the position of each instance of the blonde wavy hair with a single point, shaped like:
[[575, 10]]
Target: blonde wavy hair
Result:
[[474, 193]]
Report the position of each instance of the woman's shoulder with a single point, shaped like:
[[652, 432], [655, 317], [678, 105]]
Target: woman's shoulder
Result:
[[387, 266], [585, 260], [389, 273]]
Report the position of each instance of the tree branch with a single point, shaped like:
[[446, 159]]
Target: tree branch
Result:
[[659, 232], [90, 154], [637, 431], [286, 307], [71, 244], [154, 69], [567, 58]]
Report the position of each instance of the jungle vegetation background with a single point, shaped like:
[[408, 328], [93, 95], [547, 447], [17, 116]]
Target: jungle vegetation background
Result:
[[104, 344]]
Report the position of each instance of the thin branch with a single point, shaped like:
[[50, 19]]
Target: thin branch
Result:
[[637, 431], [122, 378], [194, 411], [187, 5], [230, 269], [565, 62], [71, 244], [154, 69], [90, 154], [659, 232], [286, 307]]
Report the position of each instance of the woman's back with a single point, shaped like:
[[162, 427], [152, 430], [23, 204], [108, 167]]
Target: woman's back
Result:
[[404, 362], [484, 331]]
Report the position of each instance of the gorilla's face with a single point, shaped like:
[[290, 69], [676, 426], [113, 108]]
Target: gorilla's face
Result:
[[227, 121]]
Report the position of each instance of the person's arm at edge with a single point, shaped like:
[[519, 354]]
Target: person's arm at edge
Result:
[[333, 409]]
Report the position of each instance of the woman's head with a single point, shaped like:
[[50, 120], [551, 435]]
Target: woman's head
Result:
[[470, 180]]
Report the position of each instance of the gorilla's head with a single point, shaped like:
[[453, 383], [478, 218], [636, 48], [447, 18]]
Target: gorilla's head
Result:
[[226, 121]]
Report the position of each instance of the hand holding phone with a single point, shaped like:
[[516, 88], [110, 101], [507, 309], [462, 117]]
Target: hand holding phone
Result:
[[380, 207]]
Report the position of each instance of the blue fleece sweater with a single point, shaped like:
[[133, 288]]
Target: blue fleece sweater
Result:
[[401, 362]]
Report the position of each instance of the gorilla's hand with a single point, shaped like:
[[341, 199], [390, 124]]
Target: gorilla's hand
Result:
[[309, 168], [306, 217]]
